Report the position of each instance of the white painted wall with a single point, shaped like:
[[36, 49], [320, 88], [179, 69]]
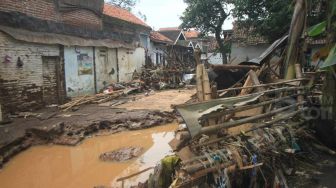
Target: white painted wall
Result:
[[129, 61], [106, 67], [240, 53], [77, 85], [153, 50]]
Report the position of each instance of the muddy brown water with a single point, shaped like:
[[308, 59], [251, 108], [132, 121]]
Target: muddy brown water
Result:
[[73, 167]]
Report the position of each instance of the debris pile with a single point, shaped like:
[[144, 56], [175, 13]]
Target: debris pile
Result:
[[94, 99], [163, 78], [256, 133], [120, 155]]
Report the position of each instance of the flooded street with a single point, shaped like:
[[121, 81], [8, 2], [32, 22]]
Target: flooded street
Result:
[[73, 167]]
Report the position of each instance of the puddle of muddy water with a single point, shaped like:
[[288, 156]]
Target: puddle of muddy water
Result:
[[73, 167]]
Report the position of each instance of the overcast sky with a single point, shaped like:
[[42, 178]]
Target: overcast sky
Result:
[[164, 13]]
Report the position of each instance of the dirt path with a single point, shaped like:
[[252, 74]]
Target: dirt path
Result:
[[160, 100]]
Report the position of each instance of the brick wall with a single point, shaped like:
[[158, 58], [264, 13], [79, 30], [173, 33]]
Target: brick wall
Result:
[[82, 18], [42, 9], [46, 10], [21, 88]]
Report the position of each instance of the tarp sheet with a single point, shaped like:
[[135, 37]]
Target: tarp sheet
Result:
[[191, 113], [66, 40]]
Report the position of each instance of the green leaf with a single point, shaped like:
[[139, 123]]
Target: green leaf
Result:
[[331, 59], [317, 29]]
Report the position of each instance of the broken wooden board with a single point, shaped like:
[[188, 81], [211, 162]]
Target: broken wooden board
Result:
[[202, 84]]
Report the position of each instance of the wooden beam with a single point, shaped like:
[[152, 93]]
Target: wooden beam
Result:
[[243, 108], [228, 67], [257, 126], [214, 128], [264, 85]]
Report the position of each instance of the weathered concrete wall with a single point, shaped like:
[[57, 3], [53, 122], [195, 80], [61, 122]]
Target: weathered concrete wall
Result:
[[106, 67], [129, 61], [21, 88], [79, 71]]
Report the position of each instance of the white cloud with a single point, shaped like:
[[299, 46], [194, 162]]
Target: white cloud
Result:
[[165, 13]]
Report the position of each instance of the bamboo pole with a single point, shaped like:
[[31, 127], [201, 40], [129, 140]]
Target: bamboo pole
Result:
[[258, 126], [214, 128], [249, 107], [271, 91], [264, 85], [75, 103]]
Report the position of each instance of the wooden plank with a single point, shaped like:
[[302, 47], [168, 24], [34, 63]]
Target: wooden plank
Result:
[[199, 85], [206, 85], [265, 85]]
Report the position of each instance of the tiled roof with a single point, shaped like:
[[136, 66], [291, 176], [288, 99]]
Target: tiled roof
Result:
[[191, 34], [122, 14], [158, 37]]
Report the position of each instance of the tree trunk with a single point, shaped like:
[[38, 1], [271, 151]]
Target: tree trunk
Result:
[[218, 31], [295, 32], [220, 42]]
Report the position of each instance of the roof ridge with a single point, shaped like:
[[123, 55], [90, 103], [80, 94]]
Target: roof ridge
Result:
[[122, 14]]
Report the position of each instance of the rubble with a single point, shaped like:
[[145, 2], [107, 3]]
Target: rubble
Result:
[[257, 133], [121, 155], [98, 99]]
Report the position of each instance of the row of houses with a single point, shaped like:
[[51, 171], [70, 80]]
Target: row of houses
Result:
[[54, 49], [168, 41]]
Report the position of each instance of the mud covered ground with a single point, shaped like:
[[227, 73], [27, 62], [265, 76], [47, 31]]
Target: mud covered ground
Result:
[[51, 126]]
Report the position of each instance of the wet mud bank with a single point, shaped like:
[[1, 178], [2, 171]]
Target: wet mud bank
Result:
[[71, 133]]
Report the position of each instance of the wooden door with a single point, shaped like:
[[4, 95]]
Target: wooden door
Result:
[[50, 79]]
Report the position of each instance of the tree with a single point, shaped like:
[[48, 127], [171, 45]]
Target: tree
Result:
[[126, 4], [272, 18], [208, 16]]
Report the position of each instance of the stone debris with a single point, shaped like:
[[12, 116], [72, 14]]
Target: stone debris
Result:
[[120, 155]]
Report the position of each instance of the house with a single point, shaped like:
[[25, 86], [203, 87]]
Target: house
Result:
[[159, 45], [197, 40], [51, 50], [180, 50], [245, 45]]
